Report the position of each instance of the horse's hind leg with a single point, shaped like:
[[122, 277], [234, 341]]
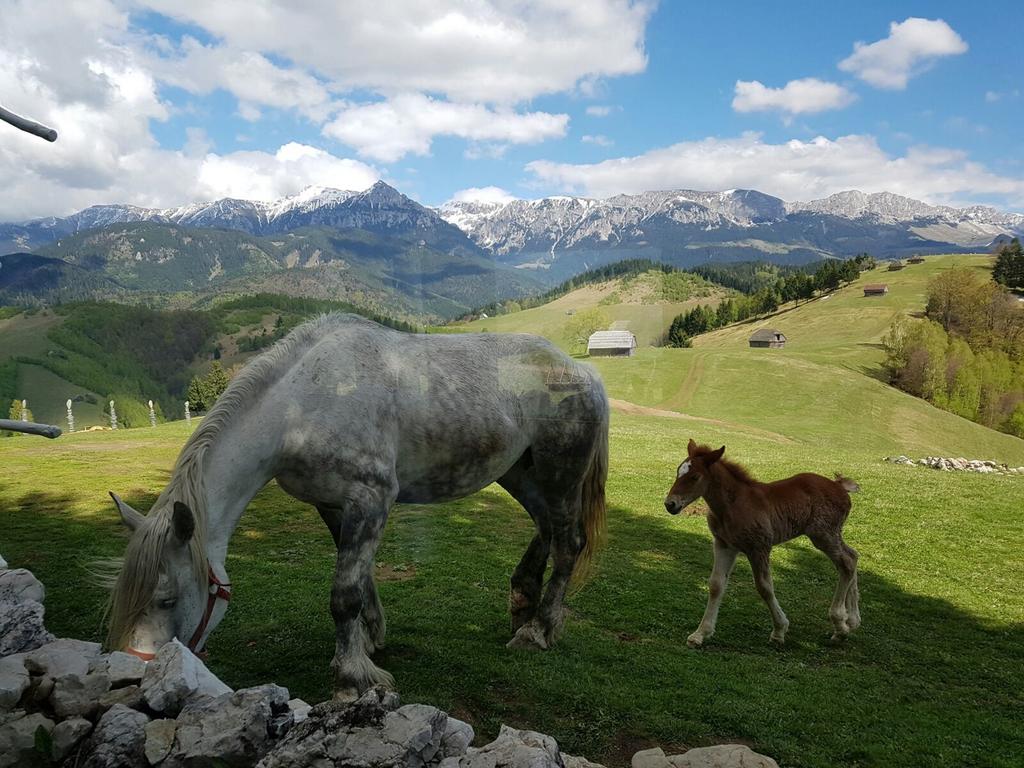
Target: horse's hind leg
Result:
[[844, 558], [760, 564], [360, 524], [528, 578], [566, 544]]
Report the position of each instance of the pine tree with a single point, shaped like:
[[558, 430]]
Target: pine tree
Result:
[[1009, 268]]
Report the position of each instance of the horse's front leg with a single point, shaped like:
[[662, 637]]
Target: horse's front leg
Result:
[[760, 564], [725, 559], [361, 522]]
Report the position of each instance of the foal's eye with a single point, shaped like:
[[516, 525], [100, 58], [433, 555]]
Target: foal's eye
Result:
[[166, 604]]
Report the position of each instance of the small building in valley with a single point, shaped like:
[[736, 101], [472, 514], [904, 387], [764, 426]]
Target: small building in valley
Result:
[[878, 289], [915, 260], [768, 337], [611, 343], [895, 266]]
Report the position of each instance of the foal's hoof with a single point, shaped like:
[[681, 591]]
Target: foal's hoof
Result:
[[777, 639], [696, 640], [839, 637], [529, 637], [345, 695]]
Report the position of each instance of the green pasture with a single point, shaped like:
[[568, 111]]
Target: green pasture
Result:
[[933, 678]]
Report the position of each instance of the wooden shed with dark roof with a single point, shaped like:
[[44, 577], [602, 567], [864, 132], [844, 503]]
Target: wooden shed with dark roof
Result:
[[915, 260], [877, 289], [611, 343], [768, 337]]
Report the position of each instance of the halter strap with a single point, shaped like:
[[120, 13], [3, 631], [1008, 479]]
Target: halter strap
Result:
[[219, 590]]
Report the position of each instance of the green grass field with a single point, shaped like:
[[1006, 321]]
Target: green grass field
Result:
[[934, 677]]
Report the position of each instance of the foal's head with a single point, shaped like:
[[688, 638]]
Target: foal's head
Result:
[[692, 477]]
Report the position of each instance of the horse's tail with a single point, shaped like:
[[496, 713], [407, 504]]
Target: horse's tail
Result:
[[847, 483], [593, 513]]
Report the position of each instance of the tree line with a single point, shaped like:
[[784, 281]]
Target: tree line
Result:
[[967, 355], [795, 285]]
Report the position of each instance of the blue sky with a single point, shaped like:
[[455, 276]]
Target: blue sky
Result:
[[164, 103]]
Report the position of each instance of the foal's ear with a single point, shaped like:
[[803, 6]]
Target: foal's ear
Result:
[[691, 447], [183, 522], [714, 456], [130, 517]]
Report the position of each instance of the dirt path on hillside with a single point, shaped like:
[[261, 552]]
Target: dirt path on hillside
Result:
[[633, 409]]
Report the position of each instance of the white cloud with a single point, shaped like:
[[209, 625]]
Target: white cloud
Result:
[[599, 110], [265, 176], [599, 139], [911, 48], [993, 96], [251, 77], [407, 123], [483, 195], [793, 170], [796, 97], [468, 50]]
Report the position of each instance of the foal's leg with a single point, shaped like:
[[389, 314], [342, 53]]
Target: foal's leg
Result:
[[374, 623], [853, 600], [361, 522], [542, 630], [725, 559], [845, 559], [760, 563]]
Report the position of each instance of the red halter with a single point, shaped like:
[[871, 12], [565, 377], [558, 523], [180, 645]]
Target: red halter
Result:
[[218, 591]]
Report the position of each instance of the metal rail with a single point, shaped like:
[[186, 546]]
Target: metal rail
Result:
[[30, 428], [27, 125]]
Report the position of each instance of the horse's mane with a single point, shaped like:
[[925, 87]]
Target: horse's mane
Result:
[[133, 580], [738, 472]]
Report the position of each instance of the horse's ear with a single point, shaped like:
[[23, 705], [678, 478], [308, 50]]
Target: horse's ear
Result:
[[130, 517], [691, 447], [183, 522], [714, 456]]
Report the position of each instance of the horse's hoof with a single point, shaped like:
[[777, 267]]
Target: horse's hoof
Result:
[[853, 622], [529, 637], [777, 639], [839, 637], [695, 640], [345, 695]]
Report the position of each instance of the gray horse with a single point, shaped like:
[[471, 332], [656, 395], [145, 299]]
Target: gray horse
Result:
[[352, 417]]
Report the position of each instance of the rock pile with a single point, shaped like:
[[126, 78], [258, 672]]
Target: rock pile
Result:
[[66, 702], [958, 465]]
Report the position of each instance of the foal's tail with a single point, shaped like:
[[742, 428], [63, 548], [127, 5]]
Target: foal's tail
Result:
[[593, 514], [847, 483]]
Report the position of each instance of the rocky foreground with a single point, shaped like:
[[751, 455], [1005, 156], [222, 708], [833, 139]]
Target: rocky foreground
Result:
[[64, 702]]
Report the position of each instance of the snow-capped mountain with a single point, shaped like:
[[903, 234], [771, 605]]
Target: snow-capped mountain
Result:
[[381, 209], [686, 226]]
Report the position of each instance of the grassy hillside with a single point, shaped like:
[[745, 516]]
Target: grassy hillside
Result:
[[644, 303], [939, 648]]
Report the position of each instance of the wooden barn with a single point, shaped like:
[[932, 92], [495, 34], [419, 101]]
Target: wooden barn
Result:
[[879, 289], [768, 337], [895, 266], [611, 344], [915, 260]]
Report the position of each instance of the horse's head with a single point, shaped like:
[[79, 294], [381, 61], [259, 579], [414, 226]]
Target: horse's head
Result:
[[692, 477], [161, 591]]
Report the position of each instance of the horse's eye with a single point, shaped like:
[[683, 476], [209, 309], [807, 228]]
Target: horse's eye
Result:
[[166, 604]]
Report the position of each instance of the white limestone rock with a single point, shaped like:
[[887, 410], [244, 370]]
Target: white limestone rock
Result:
[[21, 627], [457, 738], [18, 738], [20, 585], [14, 679], [300, 710], [78, 695], [650, 758], [67, 735], [175, 676], [722, 756], [118, 740], [512, 749], [122, 668]]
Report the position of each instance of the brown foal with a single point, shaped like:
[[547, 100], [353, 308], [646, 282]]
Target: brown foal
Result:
[[751, 517]]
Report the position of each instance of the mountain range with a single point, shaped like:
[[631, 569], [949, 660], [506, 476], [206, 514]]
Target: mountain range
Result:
[[376, 243]]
